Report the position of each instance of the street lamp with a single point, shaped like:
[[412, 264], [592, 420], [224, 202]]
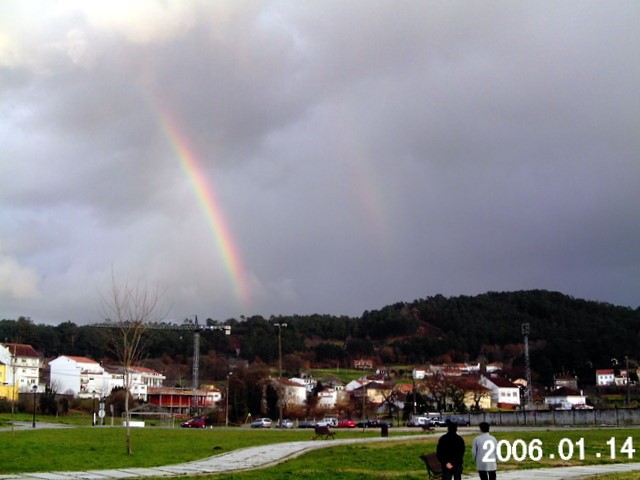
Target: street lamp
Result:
[[527, 365], [628, 382], [280, 327], [226, 407], [93, 408], [101, 412], [34, 388]]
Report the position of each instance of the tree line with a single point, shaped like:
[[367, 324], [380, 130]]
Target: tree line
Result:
[[567, 336]]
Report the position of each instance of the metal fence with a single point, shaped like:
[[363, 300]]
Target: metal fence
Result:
[[617, 417]]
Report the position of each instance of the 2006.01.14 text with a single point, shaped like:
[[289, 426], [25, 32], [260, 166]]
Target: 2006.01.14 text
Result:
[[566, 449]]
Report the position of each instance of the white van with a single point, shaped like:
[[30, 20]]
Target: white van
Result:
[[328, 422], [418, 421]]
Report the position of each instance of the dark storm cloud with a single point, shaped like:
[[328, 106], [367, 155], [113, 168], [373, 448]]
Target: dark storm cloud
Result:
[[361, 153]]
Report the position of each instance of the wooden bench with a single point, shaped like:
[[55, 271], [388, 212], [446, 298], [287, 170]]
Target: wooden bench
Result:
[[427, 428], [323, 432], [434, 469]]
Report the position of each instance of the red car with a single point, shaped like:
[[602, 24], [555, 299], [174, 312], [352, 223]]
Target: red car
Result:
[[346, 423], [196, 422]]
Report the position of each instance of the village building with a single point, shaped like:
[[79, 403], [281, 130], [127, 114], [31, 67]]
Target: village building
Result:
[[504, 393], [22, 366], [565, 398]]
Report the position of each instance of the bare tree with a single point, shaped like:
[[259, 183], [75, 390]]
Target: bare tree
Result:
[[128, 308]]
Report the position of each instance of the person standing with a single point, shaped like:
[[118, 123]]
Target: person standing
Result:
[[484, 450], [450, 452]]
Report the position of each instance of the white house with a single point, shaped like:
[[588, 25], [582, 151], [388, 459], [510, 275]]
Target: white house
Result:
[[309, 382], [140, 380], [327, 399], [565, 398], [150, 377], [419, 373], [503, 392], [622, 379], [354, 385], [79, 376], [294, 394], [22, 365], [113, 377], [605, 377]]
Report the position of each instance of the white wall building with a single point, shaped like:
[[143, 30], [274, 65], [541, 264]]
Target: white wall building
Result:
[[354, 385], [309, 382], [294, 394], [565, 398], [419, 373], [150, 377], [327, 399], [605, 377], [84, 377], [503, 392], [22, 365], [79, 376]]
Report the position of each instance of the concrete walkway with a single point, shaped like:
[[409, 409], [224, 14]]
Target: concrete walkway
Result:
[[269, 455]]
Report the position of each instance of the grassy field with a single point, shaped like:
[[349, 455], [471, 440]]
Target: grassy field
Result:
[[347, 374], [96, 448], [82, 448], [393, 461]]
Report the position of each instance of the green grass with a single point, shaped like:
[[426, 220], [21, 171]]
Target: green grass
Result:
[[40, 450], [343, 374], [71, 449], [73, 418], [400, 460]]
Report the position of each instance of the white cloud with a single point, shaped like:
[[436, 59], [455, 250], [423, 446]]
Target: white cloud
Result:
[[17, 281], [140, 21]]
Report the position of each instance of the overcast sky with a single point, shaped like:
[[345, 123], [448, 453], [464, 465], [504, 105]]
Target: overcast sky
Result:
[[316, 156]]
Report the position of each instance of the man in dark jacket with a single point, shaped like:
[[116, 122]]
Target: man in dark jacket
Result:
[[450, 452]]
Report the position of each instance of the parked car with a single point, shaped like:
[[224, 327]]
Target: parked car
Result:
[[438, 422], [195, 422], [328, 422], [460, 420], [261, 423], [306, 424], [372, 423], [286, 423], [346, 423], [418, 421]]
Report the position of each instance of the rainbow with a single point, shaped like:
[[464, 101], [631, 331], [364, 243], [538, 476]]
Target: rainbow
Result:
[[208, 203]]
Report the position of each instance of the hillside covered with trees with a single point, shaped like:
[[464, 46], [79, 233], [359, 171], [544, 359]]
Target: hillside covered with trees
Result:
[[567, 335]]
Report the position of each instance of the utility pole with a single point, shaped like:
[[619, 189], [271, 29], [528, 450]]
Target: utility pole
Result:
[[226, 407], [529, 391], [195, 371], [626, 357], [280, 326]]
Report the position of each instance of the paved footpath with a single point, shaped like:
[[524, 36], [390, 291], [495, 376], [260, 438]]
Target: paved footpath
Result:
[[269, 455]]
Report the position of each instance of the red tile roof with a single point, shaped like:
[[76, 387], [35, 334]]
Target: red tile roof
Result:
[[80, 359], [22, 350]]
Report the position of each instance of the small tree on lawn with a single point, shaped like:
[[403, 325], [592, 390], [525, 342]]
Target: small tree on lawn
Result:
[[128, 308]]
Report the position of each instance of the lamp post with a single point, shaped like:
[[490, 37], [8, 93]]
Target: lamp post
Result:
[[280, 327], [93, 408], [101, 412], [34, 388], [364, 401], [628, 382], [527, 365], [226, 407]]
